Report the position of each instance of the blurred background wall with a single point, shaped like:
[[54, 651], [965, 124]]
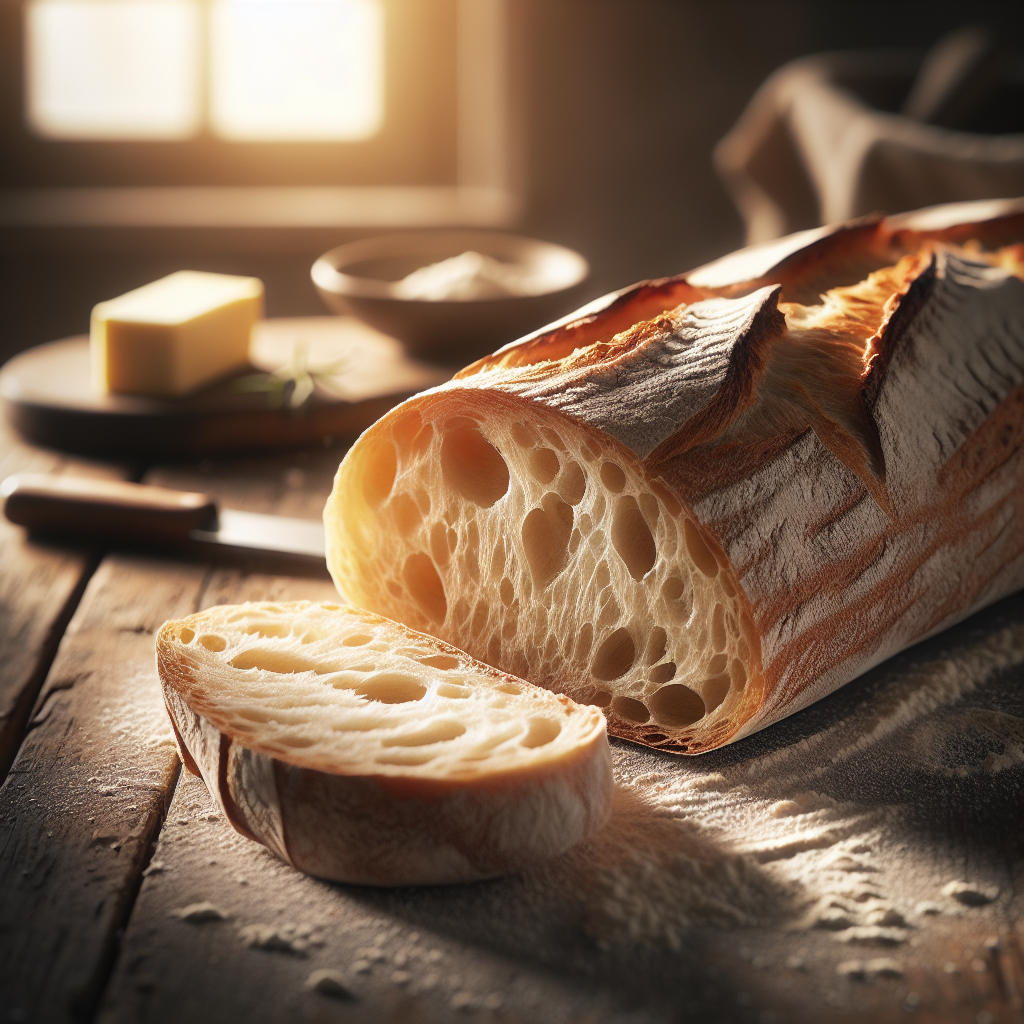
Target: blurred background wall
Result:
[[615, 106]]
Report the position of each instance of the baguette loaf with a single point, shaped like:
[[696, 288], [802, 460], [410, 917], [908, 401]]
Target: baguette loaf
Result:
[[706, 501], [360, 751]]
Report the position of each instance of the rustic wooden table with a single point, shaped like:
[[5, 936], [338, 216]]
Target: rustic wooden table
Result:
[[801, 875]]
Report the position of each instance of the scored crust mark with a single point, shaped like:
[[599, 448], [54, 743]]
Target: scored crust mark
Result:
[[583, 574], [676, 474], [805, 265], [309, 721]]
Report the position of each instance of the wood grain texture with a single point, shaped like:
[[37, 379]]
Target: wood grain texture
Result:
[[87, 792], [698, 901], [40, 585]]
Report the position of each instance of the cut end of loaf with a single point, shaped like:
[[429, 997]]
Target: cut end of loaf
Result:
[[544, 548], [360, 750]]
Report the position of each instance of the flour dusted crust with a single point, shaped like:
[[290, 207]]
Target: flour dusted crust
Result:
[[704, 502], [361, 751]]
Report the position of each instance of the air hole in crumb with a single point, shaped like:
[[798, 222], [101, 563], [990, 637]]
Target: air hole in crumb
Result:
[[554, 438], [669, 500], [436, 732], [523, 435], [584, 640], [275, 629], [715, 690], [439, 543], [454, 692], [512, 688], [406, 428], [425, 586], [612, 477], [631, 709], [655, 650], [271, 660], [573, 484], [405, 513], [381, 464], [331, 607], [718, 634], [738, 673], [507, 592], [631, 537], [421, 442], [473, 466], [650, 508], [299, 742], [717, 664], [676, 705], [498, 559], [727, 585], [602, 698], [541, 732], [441, 661], [663, 673], [356, 640], [212, 642], [615, 656], [543, 465], [546, 532], [699, 550], [392, 688], [186, 636]]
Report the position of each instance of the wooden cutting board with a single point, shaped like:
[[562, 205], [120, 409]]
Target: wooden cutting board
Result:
[[359, 374]]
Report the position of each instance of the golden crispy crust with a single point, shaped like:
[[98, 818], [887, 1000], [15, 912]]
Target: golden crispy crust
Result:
[[329, 811], [837, 414]]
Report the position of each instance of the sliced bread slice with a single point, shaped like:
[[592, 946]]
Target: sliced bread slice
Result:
[[359, 750]]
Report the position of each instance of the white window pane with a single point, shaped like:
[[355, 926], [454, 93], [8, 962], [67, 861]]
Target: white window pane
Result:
[[296, 69], [113, 69]]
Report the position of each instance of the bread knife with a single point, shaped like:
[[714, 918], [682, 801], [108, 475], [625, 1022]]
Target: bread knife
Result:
[[75, 506]]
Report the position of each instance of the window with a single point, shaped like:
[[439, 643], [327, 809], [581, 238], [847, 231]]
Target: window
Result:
[[274, 70], [254, 112]]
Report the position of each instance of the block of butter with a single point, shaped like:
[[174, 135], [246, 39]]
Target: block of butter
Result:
[[169, 337]]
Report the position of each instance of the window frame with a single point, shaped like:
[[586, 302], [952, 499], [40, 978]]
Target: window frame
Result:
[[460, 175]]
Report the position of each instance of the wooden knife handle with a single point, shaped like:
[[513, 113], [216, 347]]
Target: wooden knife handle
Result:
[[83, 506]]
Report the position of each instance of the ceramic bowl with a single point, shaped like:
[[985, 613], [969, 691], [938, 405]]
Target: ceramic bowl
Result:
[[359, 278]]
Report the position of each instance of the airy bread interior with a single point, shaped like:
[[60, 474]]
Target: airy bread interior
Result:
[[361, 751], [517, 513], [343, 691], [566, 563]]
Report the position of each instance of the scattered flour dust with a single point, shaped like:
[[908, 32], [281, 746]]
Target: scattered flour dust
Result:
[[752, 843], [143, 721]]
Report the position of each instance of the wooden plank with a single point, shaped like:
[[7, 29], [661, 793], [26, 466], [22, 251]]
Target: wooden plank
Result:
[[83, 801], [703, 898], [40, 586]]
